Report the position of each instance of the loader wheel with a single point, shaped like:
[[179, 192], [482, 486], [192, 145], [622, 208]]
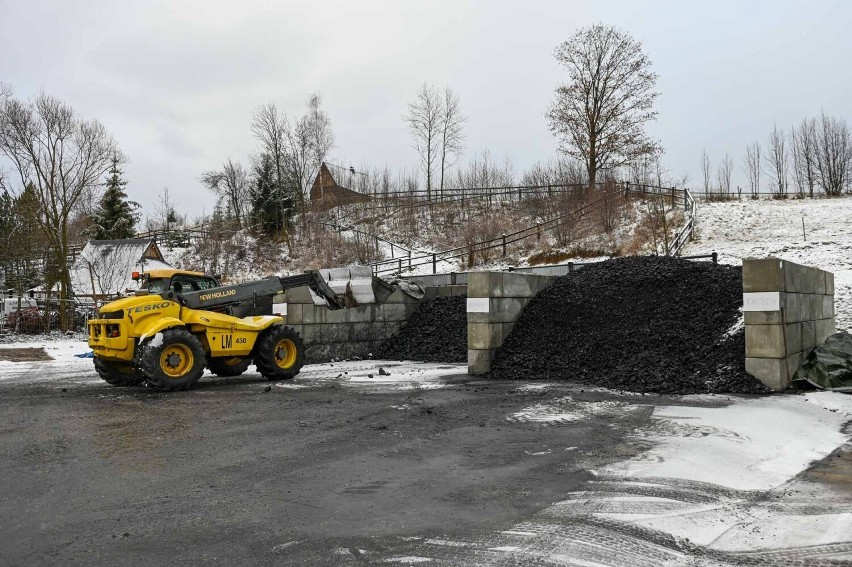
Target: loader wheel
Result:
[[174, 363], [279, 353], [118, 373], [228, 365]]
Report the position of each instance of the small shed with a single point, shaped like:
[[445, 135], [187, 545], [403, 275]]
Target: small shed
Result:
[[328, 193], [104, 268]]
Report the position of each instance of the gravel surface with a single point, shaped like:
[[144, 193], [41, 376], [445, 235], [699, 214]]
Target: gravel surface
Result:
[[642, 324], [436, 332]]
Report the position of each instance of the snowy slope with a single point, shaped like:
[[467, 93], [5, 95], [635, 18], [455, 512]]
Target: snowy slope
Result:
[[757, 229]]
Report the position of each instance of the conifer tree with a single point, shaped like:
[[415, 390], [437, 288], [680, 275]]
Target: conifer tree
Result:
[[116, 216], [271, 209]]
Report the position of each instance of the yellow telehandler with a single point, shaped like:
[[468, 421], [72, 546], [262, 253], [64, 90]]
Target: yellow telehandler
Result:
[[167, 339]]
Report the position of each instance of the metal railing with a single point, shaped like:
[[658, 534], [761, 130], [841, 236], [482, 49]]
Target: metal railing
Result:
[[677, 197]]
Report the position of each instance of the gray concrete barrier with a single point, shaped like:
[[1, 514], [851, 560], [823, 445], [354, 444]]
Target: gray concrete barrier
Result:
[[354, 331], [788, 309], [495, 300]]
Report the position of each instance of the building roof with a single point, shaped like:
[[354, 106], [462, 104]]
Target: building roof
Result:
[[105, 267]]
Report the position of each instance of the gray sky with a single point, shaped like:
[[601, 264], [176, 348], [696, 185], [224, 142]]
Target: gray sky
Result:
[[176, 81]]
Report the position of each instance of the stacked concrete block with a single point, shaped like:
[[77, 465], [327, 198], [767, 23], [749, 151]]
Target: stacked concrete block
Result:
[[495, 300], [354, 331], [788, 310]]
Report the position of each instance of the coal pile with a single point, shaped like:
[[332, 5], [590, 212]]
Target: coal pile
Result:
[[436, 332], [641, 324]]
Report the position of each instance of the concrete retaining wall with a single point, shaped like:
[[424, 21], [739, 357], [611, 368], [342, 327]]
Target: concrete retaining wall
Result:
[[354, 331], [788, 310], [495, 300]]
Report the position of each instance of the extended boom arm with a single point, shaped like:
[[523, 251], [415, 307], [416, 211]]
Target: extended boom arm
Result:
[[228, 295]]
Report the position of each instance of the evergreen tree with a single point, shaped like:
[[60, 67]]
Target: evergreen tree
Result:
[[271, 208], [116, 216], [22, 240]]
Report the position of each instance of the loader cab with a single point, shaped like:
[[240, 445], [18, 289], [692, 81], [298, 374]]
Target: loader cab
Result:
[[179, 281]]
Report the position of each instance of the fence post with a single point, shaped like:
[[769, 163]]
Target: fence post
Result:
[[715, 258], [504, 245], [626, 188], [409, 259], [570, 267], [400, 265], [452, 278], [392, 256], [538, 232], [673, 198], [434, 264]]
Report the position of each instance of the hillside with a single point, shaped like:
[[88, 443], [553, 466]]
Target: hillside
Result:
[[744, 229]]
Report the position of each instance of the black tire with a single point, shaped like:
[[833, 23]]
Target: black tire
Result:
[[279, 353], [118, 373], [228, 366], [174, 363]]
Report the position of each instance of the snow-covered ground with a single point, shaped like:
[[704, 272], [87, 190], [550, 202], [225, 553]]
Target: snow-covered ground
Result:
[[813, 232]]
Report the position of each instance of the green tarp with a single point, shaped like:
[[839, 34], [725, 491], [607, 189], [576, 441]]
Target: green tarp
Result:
[[829, 366]]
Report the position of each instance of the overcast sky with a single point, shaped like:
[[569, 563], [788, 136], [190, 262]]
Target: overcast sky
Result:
[[176, 81]]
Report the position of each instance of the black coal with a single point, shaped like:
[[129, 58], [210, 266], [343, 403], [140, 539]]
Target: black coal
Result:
[[642, 324], [436, 332]]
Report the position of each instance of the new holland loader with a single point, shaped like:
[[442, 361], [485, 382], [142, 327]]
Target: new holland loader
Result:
[[167, 339]]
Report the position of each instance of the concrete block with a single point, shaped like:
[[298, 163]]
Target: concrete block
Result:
[[519, 285], [793, 337], [808, 335], [824, 329], [820, 283], [298, 328], [294, 313], [765, 341], [431, 293], [398, 296], [482, 336], [478, 361], [395, 312], [445, 291], [300, 295], [360, 314], [359, 332], [458, 290], [772, 372], [763, 274], [479, 284], [313, 314], [507, 309], [811, 279], [763, 317], [828, 306], [829, 283], [333, 316], [479, 317], [794, 277], [791, 305]]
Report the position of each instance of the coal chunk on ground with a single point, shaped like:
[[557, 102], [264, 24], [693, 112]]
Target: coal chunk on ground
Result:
[[436, 332], [641, 324]]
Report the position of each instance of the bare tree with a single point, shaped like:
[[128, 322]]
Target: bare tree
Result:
[[62, 156], [776, 160], [803, 151], [298, 150], [600, 114], [425, 118], [705, 171], [723, 175], [452, 134], [834, 155], [752, 166], [318, 126], [231, 185]]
